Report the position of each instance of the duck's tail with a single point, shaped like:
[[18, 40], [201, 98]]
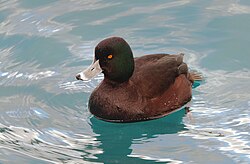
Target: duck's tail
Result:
[[196, 78]]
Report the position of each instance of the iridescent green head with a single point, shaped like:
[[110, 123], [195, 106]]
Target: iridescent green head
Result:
[[113, 57]]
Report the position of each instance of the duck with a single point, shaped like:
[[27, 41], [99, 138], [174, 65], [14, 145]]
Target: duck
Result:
[[136, 89]]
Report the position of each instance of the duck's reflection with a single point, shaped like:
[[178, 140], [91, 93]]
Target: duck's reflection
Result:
[[116, 139]]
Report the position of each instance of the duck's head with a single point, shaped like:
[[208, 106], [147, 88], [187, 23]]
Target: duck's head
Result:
[[114, 58]]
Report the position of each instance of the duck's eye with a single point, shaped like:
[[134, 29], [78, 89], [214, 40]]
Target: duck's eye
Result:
[[110, 56]]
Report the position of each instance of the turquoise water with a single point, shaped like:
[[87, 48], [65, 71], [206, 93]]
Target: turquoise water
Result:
[[44, 116]]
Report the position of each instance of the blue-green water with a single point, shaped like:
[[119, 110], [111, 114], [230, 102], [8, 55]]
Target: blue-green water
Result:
[[43, 110]]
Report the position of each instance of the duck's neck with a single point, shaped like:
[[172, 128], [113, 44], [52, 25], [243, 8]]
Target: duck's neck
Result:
[[113, 83]]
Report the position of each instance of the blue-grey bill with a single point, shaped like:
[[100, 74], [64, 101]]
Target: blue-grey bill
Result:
[[93, 70]]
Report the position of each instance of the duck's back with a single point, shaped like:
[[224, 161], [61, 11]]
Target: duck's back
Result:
[[154, 74]]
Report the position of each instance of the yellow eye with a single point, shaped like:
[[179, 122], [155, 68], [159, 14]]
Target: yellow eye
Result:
[[110, 56]]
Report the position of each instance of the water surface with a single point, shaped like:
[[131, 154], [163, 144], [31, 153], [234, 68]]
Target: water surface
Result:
[[44, 116]]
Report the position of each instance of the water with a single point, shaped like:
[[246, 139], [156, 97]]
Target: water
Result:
[[44, 116]]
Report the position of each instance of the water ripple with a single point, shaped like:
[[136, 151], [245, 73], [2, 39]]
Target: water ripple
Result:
[[21, 78], [225, 8], [49, 145], [234, 140], [85, 86], [140, 10], [44, 110], [40, 21], [24, 113], [167, 160]]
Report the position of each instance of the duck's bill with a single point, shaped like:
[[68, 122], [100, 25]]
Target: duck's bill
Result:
[[93, 70]]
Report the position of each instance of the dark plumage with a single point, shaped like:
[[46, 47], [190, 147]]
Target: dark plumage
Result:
[[144, 88]]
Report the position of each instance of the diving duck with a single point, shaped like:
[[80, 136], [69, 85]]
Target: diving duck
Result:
[[136, 89]]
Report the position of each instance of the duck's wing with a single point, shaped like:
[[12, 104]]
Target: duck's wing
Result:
[[154, 74]]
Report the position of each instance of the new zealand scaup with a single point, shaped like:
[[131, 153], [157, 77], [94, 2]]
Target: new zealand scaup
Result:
[[136, 89]]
